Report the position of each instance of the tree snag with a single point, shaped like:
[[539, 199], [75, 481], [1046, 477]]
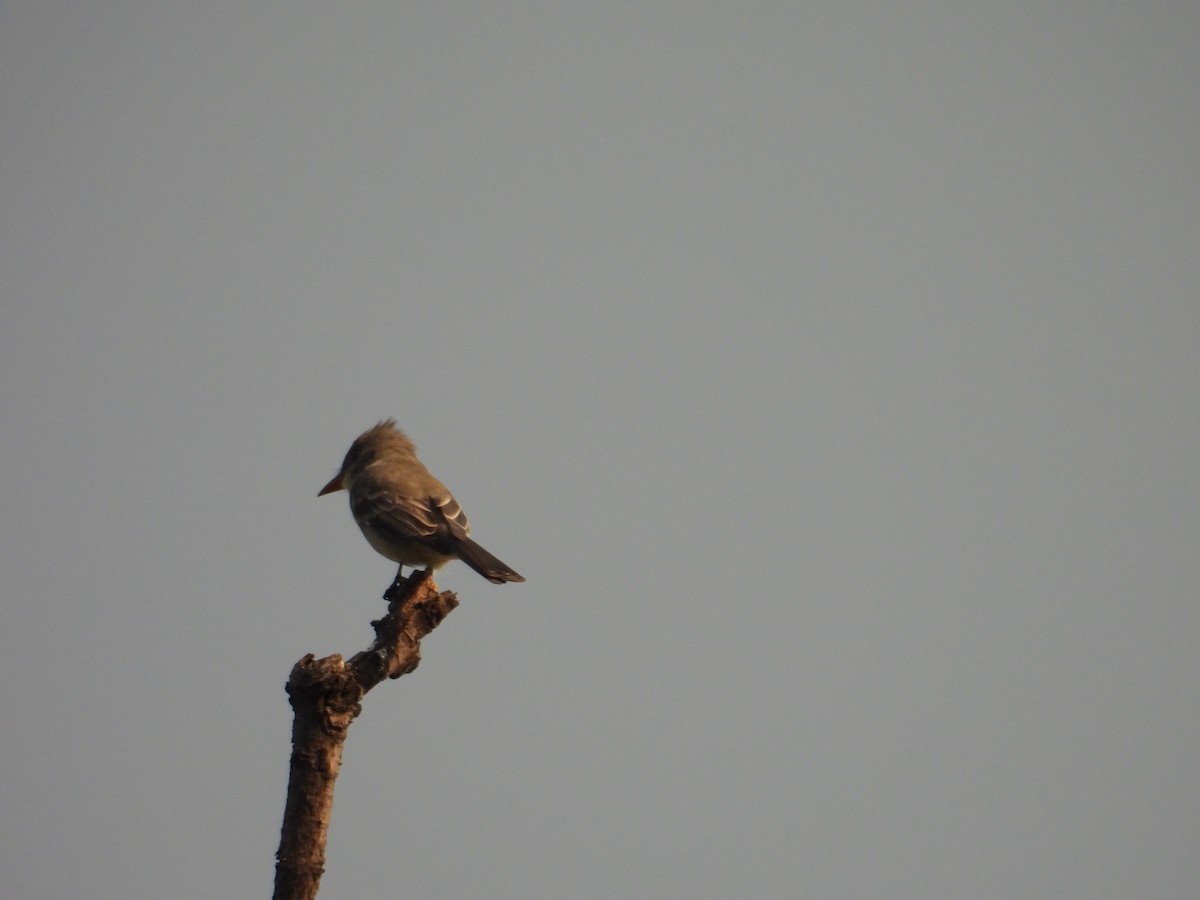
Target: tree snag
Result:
[[326, 696]]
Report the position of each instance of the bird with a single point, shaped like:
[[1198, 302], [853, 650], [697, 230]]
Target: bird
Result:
[[404, 512]]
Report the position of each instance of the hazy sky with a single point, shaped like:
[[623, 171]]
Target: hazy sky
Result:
[[830, 370]]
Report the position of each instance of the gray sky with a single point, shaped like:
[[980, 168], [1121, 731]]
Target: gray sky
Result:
[[830, 371]]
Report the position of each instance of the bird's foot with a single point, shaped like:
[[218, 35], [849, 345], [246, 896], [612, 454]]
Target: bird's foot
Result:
[[390, 593]]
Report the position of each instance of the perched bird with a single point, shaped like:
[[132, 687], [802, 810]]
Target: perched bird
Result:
[[405, 513]]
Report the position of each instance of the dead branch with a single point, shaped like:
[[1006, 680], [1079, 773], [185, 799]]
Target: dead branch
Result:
[[326, 696]]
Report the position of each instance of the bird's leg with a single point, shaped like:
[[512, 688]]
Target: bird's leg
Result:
[[395, 585]]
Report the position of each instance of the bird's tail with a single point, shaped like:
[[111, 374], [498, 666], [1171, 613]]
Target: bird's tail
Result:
[[484, 563]]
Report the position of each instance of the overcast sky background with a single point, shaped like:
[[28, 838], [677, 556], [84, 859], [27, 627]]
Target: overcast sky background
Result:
[[830, 370]]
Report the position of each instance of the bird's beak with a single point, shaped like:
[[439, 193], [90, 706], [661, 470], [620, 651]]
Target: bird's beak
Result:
[[334, 485]]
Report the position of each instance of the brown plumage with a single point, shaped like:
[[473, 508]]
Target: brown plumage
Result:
[[405, 513]]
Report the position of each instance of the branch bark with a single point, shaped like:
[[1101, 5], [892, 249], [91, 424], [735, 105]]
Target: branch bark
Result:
[[326, 696]]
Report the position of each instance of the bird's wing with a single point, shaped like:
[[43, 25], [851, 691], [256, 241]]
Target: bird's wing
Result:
[[432, 519]]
